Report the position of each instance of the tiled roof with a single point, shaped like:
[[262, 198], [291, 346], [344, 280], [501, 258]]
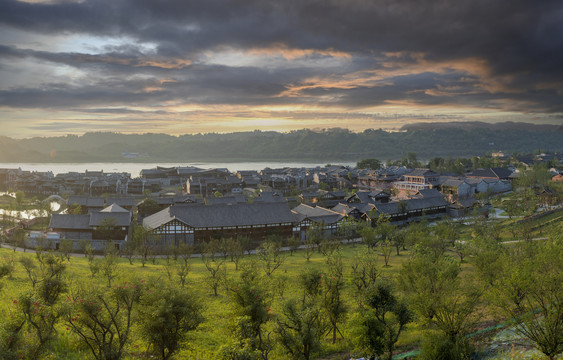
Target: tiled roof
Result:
[[221, 215], [68, 221]]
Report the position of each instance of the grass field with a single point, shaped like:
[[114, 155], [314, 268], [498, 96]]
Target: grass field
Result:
[[216, 332]]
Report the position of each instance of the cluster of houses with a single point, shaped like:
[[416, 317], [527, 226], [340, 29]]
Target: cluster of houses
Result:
[[89, 182], [255, 204]]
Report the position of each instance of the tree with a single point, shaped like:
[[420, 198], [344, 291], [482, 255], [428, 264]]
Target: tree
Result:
[[109, 264], [386, 249], [102, 319], [364, 270], [271, 256], [293, 243], [142, 242], [332, 302], [369, 236], [148, 207], [530, 292], [108, 229], [213, 265], [184, 266], [310, 281], [373, 164], [380, 321], [299, 329], [65, 248], [166, 314], [439, 296], [20, 197], [315, 235], [246, 244], [235, 251], [252, 310]]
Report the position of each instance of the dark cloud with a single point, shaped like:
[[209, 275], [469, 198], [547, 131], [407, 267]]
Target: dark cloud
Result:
[[503, 55]]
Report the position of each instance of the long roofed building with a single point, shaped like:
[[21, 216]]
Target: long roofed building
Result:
[[189, 224]]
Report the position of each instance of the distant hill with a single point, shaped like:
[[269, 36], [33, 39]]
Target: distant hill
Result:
[[471, 125], [426, 140]]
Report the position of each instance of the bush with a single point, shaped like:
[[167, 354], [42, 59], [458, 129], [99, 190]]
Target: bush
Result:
[[438, 346]]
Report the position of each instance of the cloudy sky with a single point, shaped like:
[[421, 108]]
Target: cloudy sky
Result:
[[188, 66]]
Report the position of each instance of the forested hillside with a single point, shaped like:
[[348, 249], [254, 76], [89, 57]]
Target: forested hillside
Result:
[[332, 144]]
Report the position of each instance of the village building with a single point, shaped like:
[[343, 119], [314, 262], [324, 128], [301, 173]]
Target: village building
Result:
[[110, 223], [308, 216], [194, 224], [417, 179]]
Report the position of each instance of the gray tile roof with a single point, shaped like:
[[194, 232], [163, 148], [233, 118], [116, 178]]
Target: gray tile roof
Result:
[[412, 204], [121, 201], [68, 221], [114, 208], [221, 215], [86, 201], [317, 214], [123, 218]]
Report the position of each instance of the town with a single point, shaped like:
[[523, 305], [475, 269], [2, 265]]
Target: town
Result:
[[190, 205]]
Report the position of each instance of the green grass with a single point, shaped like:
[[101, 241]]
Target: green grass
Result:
[[215, 331]]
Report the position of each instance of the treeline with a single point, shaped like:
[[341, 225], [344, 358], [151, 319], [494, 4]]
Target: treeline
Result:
[[330, 144]]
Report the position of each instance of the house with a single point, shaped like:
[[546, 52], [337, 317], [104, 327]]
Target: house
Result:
[[308, 216], [405, 211], [496, 173], [417, 179], [87, 203], [110, 223]]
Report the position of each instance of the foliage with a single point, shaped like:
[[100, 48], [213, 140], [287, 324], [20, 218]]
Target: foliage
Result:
[[441, 347], [530, 292], [102, 320], [380, 321], [251, 306], [148, 207], [373, 164], [299, 329], [166, 315]]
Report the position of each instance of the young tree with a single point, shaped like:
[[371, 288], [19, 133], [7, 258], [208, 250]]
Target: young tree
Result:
[[380, 321], [102, 319], [235, 251], [142, 242], [271, 256], [299, 329], [332, 302], [308, 249], [315, 235], [364, 270], [369, 236], [293, 243], [246, 244], [183, 267], [310, 281], [213, 265], [252, 309], [166, 315], [110, 263], [530, 292], [65, 248], [386, 249], [439, 296]]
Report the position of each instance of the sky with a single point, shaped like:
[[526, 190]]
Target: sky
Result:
[[191, 66]]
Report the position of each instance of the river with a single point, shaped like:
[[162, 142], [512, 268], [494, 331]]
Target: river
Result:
[[135, 168]]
